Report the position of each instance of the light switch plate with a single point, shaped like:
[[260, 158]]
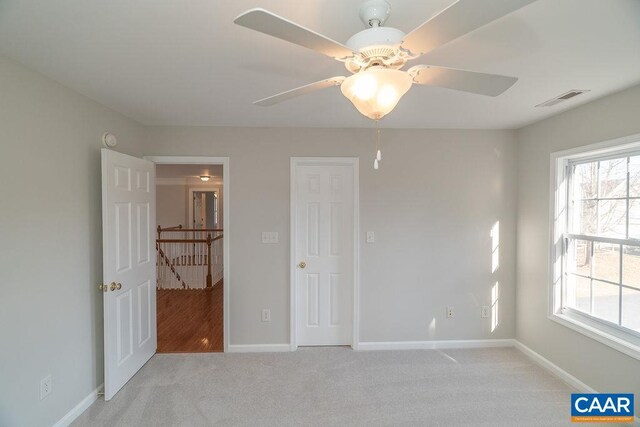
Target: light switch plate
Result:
[[371, 237], [270, 237]]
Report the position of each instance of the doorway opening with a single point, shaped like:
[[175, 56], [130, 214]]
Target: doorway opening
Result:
[[205, 208], [190, 257]]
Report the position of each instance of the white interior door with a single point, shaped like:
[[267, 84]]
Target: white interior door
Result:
[[129, 268], [324, 252]]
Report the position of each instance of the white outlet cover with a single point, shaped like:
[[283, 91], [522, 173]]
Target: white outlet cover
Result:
[[485, 312], [371, 237], [266, 315]]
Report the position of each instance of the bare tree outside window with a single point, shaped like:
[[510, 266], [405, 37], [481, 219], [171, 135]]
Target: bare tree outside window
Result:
[[603, 264]]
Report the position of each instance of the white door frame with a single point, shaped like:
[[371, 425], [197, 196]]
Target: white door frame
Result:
[[224, 161], [325, 161], [196, 189]]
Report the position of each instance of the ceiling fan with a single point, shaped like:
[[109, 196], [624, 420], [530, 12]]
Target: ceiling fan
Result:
[[376, 55]]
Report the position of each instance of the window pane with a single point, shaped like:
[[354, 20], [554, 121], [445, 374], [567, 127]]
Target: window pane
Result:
[[612, 218], [631, 266], [581, 257], [634, 176], [634, 219], [631, 309], [612, 178], [606, 301], [584, 181], [584, 217], [606, 262], [579, 293]]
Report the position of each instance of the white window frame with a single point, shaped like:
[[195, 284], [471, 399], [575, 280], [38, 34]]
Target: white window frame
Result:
[[618, 338]]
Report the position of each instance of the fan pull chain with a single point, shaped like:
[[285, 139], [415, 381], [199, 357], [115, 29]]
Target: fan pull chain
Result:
[[378, 157]]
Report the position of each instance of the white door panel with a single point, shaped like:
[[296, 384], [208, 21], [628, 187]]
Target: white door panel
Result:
[[128, 218], [324, 242]]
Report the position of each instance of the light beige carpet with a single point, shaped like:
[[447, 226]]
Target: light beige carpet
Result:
[[335, 386]]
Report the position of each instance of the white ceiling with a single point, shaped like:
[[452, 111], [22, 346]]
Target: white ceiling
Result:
[[189, 171], [178, 62]]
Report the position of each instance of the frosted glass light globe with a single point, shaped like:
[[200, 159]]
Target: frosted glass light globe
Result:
[[376, 91]]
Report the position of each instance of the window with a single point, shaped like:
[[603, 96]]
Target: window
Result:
[[596, 244]]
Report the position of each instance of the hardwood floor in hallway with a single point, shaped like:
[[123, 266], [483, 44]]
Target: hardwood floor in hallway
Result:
[[190, 321]]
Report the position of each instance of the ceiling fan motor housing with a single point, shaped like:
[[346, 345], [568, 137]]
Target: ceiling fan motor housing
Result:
[[375, 36], [376, 46]]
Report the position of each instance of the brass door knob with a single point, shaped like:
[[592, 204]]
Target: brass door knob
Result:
[[115, 286], [102, 287], [302, 264]]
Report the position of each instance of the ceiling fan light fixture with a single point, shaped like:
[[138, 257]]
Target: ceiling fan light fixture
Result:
[[376, 91]]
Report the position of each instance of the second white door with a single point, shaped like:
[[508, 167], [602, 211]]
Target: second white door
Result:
[[324, 280]]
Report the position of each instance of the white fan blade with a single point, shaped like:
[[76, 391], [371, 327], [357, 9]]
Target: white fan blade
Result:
[[460, 18], [302, 90], [467, 81], [277, 26]]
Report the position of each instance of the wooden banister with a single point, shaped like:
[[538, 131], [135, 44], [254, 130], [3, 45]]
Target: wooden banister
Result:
[[178, 228], [194, 229], [209, 281], [213, 239], [191, 259], [181, 240], [174, 228], [170, 264]]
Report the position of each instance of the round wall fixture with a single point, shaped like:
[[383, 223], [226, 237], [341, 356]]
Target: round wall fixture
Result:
[[109, 140]]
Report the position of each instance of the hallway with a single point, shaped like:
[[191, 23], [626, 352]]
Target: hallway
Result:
[[190, 321]]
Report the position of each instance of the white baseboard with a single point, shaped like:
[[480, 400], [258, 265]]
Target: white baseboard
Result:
[[559, 372], [258, 348], [433, 345], [554, 369], [79, 408]]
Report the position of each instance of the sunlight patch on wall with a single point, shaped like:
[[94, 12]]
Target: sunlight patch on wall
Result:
[[495, 300], [495, 246], [432, 328]]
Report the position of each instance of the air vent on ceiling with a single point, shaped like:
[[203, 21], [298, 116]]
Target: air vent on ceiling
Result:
[[561, 98]]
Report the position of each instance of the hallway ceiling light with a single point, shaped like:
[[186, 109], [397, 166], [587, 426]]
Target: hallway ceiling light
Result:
[[204, 178]]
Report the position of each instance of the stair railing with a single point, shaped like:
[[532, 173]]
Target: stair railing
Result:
[[189, 258]]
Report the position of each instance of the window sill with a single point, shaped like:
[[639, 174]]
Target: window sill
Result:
[[599, 335]]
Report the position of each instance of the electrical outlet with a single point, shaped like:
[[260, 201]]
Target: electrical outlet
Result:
[[485, 312], [45, 387], [449, 312], [266, 315]]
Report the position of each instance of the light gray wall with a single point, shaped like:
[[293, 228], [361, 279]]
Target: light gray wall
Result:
[[50, 243], [171, 205], [597, 365], [432, 205]]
